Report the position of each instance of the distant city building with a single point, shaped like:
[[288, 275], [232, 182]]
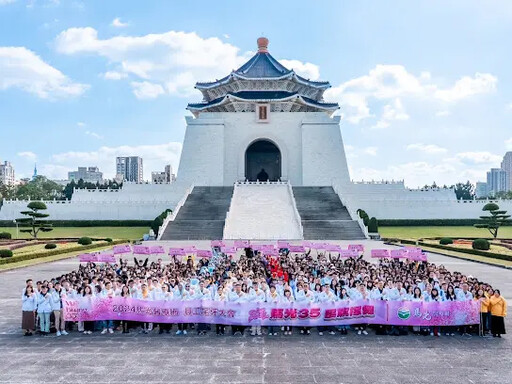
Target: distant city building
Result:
[[497, 181], [7, 173], [87, 174], [506, 165], [480, 189], [62, 182], [130, 168], [163, 177]]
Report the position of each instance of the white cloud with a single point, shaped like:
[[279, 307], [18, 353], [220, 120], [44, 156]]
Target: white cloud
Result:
[[174, 61], [394, 82], [391, 112], [114, 75], [155, 157], [146, 90], [117, 23], [5, 2], [226, 36], [468, 86], [443, 113], [27, 155], [430, 149], [372, 151], [308, 70], [508, 143], [23, 69], [94, 134], [478, 158]]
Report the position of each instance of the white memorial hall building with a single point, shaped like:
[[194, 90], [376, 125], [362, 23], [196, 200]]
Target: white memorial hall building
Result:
[[263, 158]]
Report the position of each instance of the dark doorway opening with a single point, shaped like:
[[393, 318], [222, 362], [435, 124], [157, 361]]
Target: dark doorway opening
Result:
[[262, 161]]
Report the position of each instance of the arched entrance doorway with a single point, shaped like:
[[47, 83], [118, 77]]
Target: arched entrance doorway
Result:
[[262, 161]]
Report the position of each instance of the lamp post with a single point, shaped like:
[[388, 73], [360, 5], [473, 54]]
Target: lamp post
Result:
[[17, 232]]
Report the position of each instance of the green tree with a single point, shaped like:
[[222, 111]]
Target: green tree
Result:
[[39, 189], [495, 219], [34, 220], [464, 191]]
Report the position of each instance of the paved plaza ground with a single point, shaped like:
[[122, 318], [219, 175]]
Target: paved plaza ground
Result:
[[153, 358]]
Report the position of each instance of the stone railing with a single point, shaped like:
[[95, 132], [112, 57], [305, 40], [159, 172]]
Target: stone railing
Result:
[[172, 215]]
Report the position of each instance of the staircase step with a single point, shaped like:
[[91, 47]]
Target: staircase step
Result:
[[202, 216], [323, 215]]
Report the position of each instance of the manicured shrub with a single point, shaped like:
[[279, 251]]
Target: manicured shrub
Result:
[[4, 253], [366, 220], [50, 246], [446, 241], [108, 240], [5, 236], [373, 226], [84, 241], [481, 244]]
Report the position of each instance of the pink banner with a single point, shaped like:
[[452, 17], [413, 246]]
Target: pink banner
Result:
[[283, 244], [356, 247], [349, 253], [97, 258], [228, 250], [242, 243], [380, 253], [177, 252], [297, 248], [156, 250], [141, 250], [204, 253], [190, 249], [398, 253], [217, 243], [120, 249], [332, 248], [213, 312]]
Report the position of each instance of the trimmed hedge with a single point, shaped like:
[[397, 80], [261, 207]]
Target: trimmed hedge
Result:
[[90, 223], [429, 222], [446, 241], [108, 240], [5, 236], [85, 240], [481, 244], [5, 253], [470, 251], [58, 251], [50, 246], [373, 226]]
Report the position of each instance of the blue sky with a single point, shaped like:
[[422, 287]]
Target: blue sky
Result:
[[425, 87]]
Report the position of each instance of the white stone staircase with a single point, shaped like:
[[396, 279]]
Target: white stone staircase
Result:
[[263, 211]]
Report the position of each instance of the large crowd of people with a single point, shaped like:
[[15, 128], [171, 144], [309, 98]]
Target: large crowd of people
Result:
[[254, 277]]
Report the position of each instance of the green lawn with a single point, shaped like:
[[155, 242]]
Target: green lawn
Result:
[[419, 232], [129, 233]]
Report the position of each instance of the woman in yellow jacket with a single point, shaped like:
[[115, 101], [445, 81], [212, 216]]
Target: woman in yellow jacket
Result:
[[498, 313]]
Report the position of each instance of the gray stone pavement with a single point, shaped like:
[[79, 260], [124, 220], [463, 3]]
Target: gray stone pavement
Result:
[[136, 358]]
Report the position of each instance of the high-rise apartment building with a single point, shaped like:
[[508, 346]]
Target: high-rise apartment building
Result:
[[130, 168]]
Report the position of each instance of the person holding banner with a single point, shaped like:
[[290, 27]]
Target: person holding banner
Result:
[[288, 298], [498, 314], [256, 295], [88, 325], [237, 296], [125, 292], [220, 296], [434, 296], [107, 292], [274, 298]]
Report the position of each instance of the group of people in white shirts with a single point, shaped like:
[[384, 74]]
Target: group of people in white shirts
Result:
[[46, 297]]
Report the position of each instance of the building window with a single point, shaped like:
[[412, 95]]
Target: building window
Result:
[[262, 112]]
